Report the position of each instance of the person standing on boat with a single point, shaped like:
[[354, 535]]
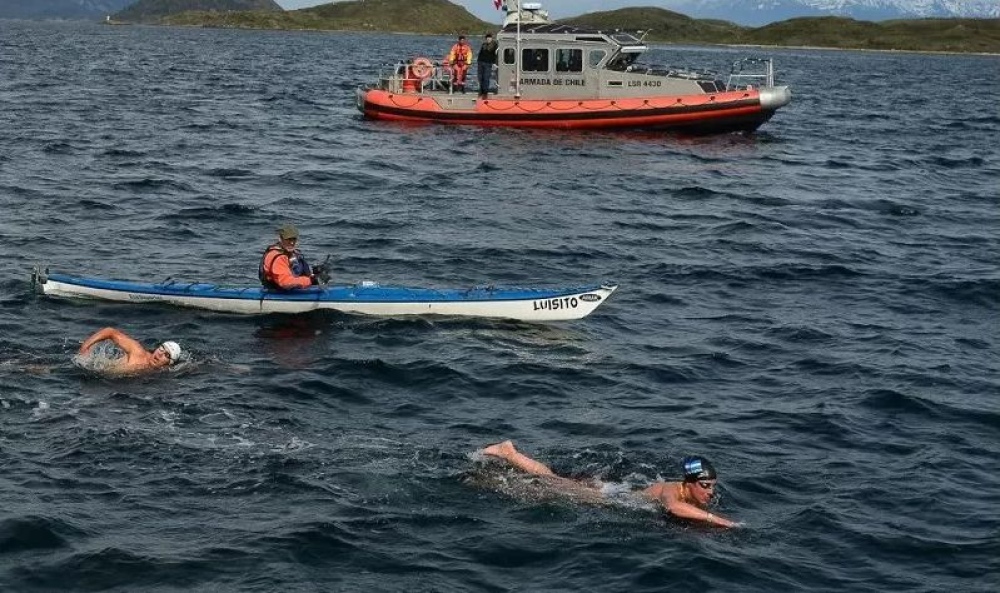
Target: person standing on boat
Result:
[[485, 61], [687, 499], [137, 359], [459, 59], [283, 267]]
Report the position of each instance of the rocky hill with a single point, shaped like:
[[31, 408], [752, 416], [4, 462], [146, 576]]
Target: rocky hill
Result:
[[756, 13], [950, 35], [663, 25], [443, 17], [60, 9], [399, 16], [152, 11]]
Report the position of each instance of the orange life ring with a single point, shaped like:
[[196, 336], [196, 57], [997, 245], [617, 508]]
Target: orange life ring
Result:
[[422, 68]]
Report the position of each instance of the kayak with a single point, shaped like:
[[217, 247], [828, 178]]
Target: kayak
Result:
[[365, 298]]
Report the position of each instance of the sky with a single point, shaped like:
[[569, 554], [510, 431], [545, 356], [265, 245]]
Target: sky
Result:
[[483, 9]]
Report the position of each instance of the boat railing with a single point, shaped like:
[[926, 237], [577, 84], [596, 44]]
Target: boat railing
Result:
[[672, 71], [391, 77], [748, 73], [397, 78]]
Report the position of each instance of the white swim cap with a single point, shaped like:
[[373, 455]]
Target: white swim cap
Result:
[[173, 350]]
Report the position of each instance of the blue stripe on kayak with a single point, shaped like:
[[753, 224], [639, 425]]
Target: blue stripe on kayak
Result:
[[348, 294]]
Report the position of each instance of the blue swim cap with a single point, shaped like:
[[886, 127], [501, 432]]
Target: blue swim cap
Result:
[[697, 468]]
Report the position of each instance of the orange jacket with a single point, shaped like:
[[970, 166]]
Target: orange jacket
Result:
[[278, 269], [460, 54]]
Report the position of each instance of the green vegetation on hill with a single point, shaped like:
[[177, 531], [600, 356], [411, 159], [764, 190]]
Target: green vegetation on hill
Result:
[[400, 16], [952, 35], [152, 11], [442, 17], [663, 25], [424, 16]]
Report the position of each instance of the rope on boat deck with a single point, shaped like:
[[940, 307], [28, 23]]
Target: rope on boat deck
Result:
[[579, 106], [392, 97], [556, 105]]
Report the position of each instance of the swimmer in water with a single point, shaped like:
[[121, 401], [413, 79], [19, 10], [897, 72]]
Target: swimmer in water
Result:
[[137, 359], [687, 499]]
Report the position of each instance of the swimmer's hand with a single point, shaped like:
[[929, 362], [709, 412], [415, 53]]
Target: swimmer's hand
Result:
[[722, 521]]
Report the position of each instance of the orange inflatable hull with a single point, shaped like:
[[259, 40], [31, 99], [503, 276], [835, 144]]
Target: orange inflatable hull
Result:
[[727, 111]]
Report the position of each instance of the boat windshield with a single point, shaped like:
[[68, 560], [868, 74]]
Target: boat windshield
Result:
[[621, 61], [626, 38]]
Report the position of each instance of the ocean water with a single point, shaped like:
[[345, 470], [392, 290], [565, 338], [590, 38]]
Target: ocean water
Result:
[[813, 307]]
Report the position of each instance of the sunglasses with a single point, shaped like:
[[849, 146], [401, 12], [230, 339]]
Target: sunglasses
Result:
[[706, 485], [291, 240]]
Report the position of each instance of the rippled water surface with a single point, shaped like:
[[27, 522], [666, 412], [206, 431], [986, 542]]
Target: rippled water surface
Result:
[[814, 308]]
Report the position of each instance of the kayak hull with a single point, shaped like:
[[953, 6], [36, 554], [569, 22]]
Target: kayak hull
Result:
[[366, 298]]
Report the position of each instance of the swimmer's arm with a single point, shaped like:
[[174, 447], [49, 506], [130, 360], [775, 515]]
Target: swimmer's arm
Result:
[[690, 511], [123, 341], [98, 336], [678, 508]]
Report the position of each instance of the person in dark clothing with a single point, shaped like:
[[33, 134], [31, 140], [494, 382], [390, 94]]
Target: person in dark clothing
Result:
[[485, 60]]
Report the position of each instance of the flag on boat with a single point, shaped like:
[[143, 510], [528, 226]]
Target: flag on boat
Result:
[[497, 4]]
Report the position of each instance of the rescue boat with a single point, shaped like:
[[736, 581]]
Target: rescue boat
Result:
[[365, 298], [558, 76]]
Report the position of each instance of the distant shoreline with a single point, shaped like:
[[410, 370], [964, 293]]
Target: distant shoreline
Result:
[[652, 43], [949, 36], [881, 51]]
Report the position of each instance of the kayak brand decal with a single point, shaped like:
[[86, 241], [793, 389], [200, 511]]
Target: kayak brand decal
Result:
[[144, 297], [555, 304], [590, 297]]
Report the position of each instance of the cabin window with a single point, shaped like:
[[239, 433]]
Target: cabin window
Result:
[[595, 56], [569, 60], [535, 60], [509, 55], [621, 62]]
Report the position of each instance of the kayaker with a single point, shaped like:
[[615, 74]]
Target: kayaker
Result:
[[687, 499], [137, 359], [459, 59], [485, 61], [283, 267]]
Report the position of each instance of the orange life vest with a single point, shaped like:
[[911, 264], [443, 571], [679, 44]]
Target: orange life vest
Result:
[[461, 54]]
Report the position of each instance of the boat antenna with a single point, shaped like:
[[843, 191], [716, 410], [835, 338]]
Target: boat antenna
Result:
[[536, 15], [510, 14], [517, 61]]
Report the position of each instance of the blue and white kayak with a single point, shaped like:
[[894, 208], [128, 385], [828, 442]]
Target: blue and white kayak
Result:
[[366, 298]]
